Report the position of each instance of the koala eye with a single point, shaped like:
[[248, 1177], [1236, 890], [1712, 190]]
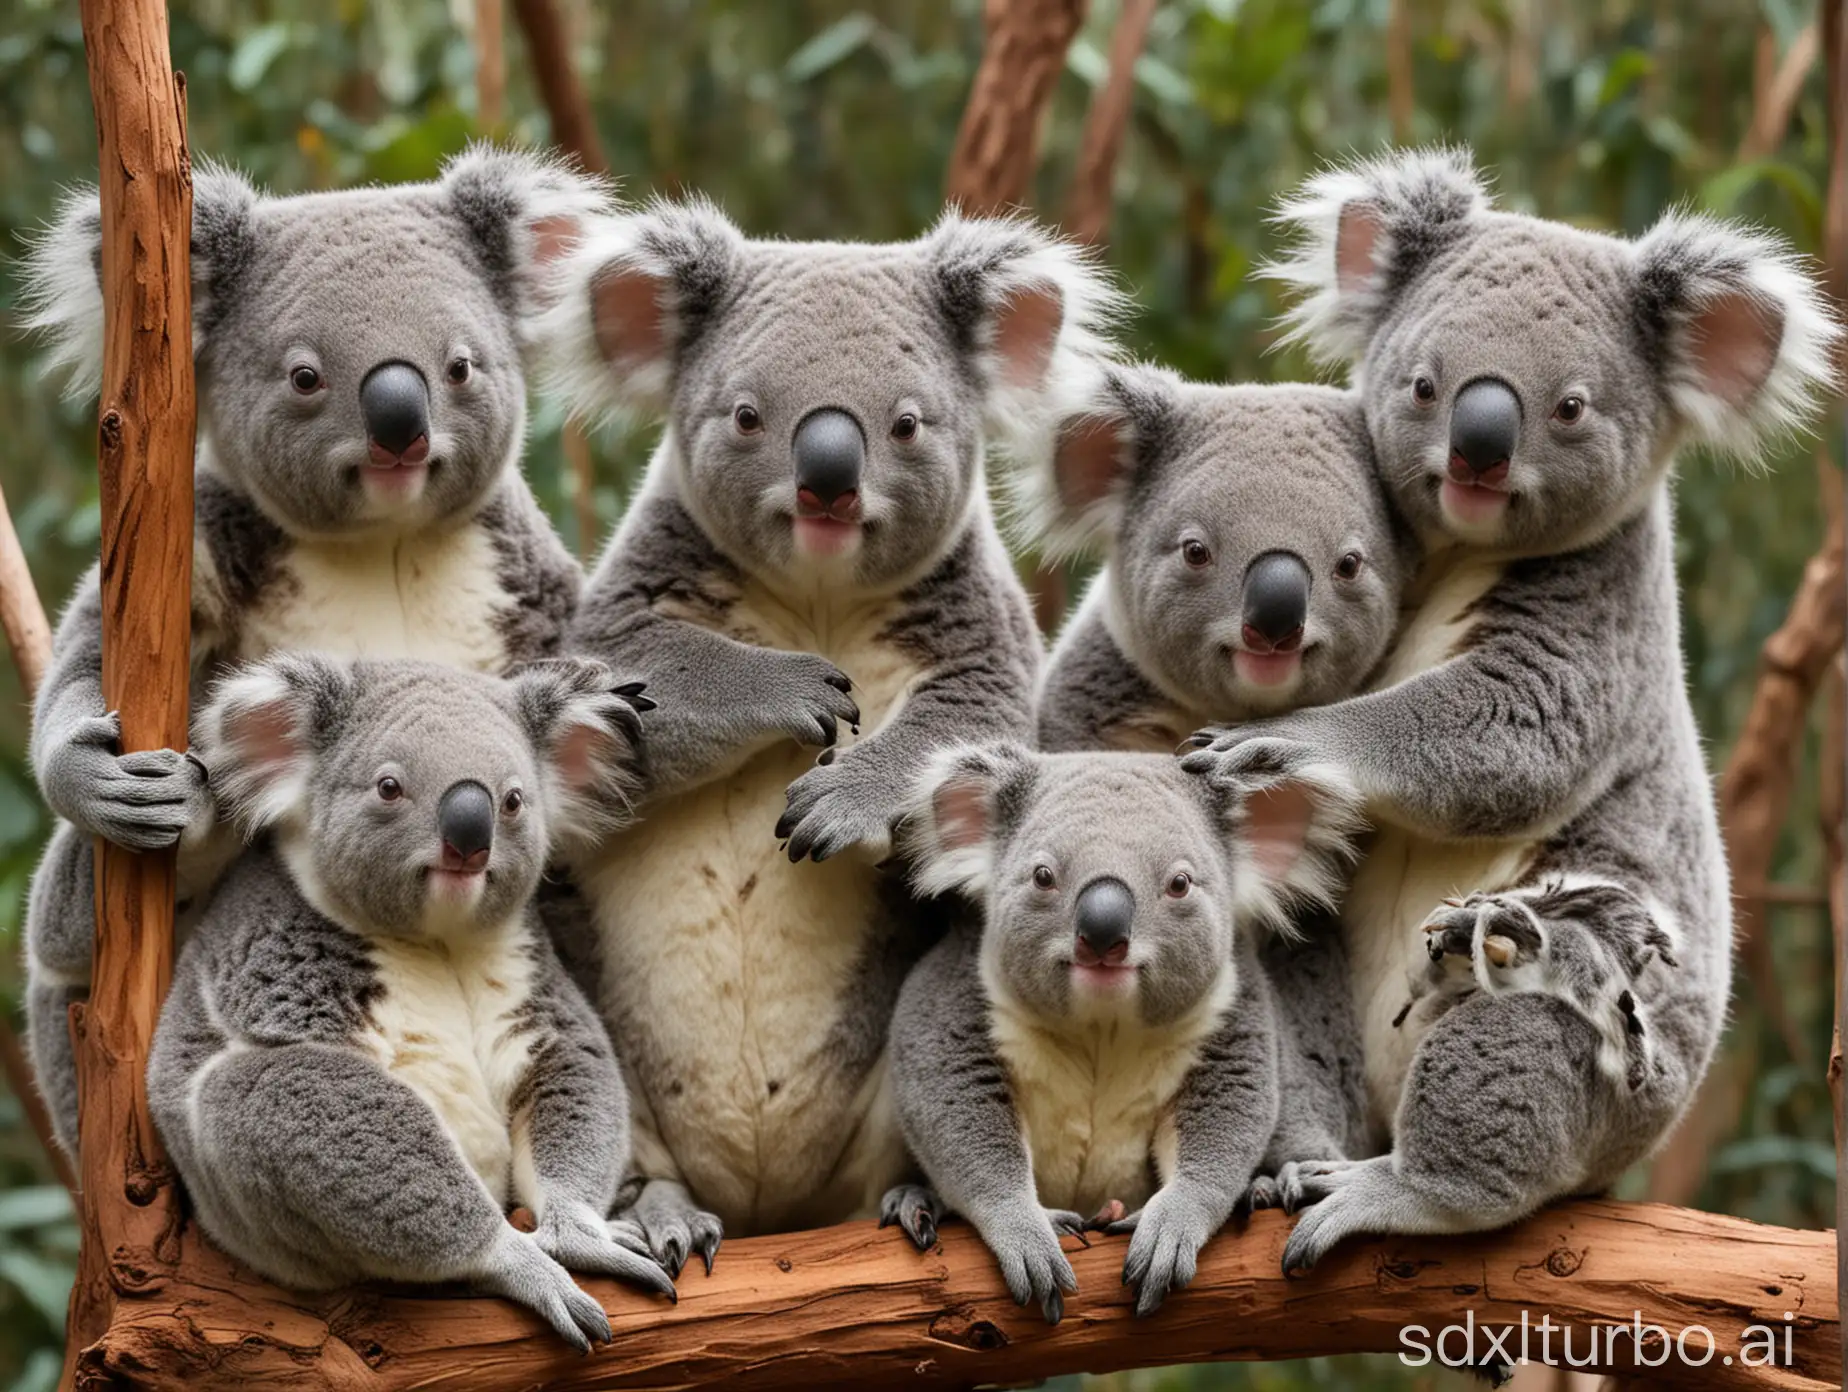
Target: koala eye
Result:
[[460, 371], [747, 420], [1424, 390], [905, 427], [513, 802], [1180, 886], [1348, 566], [1195, 553], [1043, 877], [305, 380], [389, 789], [1570, 409]]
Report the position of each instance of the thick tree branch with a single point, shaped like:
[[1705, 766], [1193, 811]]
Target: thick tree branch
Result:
[[997, 145], [548, 43], [1094, 182]]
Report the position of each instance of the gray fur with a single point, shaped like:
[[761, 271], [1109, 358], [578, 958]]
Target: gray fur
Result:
[[1539, 715], [294, 545], [313, 1093], [751, 1001], [989, 1024]]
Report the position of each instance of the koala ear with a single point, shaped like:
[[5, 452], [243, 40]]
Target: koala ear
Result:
[[261, 727], [632, 296], [63, 271], [525, 211], [1291, 840], [1361, 232], [1071, 494], [966, 794], [1744, 338], [587, 729]]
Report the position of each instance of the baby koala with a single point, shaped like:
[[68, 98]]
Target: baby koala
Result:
[[370, 1050], [1126, 1055], [1252, 559]]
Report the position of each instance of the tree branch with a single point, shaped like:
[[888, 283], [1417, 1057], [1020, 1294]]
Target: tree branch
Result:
[[548, 43], [997, 145], [1094, 183]]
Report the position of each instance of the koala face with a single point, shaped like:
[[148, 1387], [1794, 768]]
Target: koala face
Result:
[[1113, 883], [1254, 559], [1527, 382], [413, 800], [359, 353], [826, 403]]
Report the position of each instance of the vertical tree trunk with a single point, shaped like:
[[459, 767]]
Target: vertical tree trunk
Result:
[[490, 66], [997, 145], [130, 1205], [1400, 100], [1094, 183]]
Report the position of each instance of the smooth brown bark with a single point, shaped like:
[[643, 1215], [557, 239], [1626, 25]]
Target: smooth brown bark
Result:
[[997, 145], [1775, 95], [1094, 182], [490, 65], [548, 42], [130, 1209], [853, 1306]]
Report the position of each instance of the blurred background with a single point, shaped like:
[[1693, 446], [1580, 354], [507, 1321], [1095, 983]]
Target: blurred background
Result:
[[821, 118]]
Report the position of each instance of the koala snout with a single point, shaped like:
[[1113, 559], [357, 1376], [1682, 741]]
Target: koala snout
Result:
[[395, 400], [1484, 425], [1276, 602], [465, 817], [1106, 912], [830, 452]]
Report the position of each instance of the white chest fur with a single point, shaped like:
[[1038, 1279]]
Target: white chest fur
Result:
[[447, 1026], [1095, 1099], [434, 597], [732, 967]]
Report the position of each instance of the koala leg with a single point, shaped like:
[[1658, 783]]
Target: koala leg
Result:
[[60, 939], [318, 1168], [1583, 941]]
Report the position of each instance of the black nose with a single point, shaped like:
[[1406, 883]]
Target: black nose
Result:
[[1106, 909], [1276, 600], [1484, 425], [830, 451], [465, 817], [396, 404]]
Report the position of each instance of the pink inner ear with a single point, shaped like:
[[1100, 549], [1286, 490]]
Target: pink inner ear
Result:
[[1026, 331], [1735, 341], [581, 755], [627, 314], [553, 237], [961, 809], [1277, 827], [264, 737], [1086, 460], [1356, 235]]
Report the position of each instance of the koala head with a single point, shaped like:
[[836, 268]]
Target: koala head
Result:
[[359, 354], [826, 403], [1254, 560], [415, 800], [1527, 382], [1113, 884]]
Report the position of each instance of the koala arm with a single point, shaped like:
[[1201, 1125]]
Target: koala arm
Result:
[[535, 570], [653, 609], [1093, 697]]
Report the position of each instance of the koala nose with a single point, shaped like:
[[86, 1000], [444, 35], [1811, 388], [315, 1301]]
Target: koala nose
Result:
[[465, 817], [1276, 602], [395, 401], [1484, 425], [830, 451], [1106, 909]]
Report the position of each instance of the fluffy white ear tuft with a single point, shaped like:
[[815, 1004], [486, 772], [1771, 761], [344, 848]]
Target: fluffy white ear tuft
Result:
[[1292, 840], [950, 825], [63, 292], [1746, 339], [587, 728], [1358, 231], [629, 296], [259, 731]]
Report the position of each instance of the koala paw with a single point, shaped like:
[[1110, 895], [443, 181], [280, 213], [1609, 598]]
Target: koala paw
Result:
[[1169, 1232], [579, 1239], [809, 699], [1535, 941], [1026, 1244], [143, 801], [674, 1226], [519, 1269], [1248, 757], [844, 801], [916, 1209]]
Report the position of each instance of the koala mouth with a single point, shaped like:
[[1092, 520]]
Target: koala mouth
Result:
[[828, 528], [1267, 669], [1474, 498]]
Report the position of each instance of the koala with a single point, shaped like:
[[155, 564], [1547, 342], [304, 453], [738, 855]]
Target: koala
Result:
[[361, 361], [1122, 1049], [1540, 932], [370, 1050], [810, 563]]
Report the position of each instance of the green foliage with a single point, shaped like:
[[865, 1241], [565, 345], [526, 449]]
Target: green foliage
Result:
[[828, 118]]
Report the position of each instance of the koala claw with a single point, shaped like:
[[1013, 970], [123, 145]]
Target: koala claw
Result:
[[674, 1226], [1258, 762], [837, 805], [1169, 1232], [520, 1270], [1032, 1263], [144, 800], [916, 1209], [578, 1240]]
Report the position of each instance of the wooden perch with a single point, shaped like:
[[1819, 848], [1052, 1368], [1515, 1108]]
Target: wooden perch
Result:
[[852, 1306]]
